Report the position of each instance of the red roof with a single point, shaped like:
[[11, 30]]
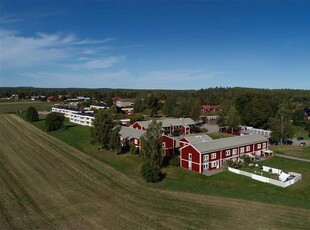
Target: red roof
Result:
[[206, 107]]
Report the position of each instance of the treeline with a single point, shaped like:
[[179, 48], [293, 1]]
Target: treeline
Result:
[[212, 96]]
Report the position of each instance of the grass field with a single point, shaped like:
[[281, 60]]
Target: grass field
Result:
[[14, 107], [46, 184], [292, 150], [301, 132], [225, 184]]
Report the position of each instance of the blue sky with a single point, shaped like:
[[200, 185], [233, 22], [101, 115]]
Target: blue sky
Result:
[[155, 44]]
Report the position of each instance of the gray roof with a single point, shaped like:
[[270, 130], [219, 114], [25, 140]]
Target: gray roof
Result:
[[197, 138], [167, 122], [229, 142], [127, 132]]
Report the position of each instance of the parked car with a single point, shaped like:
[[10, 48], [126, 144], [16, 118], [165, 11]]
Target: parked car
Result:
[[302, 144], [288, 142], [300, 138]]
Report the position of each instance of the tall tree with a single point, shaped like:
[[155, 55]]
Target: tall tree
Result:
[[32, 114], [233, 119], [152, 153], [281, 125], [195, 109], [115, 143], [298, 117], [102, 128], [169, 106]]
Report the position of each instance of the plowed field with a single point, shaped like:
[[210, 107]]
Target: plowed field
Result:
[[46, 184]]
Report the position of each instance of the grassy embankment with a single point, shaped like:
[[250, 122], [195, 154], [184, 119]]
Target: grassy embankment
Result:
[[225, 184]]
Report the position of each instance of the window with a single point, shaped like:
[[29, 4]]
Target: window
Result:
[[190, 156], [205, 158], [264, 145], [164, 144], [213, 155], [259, 146], [234, 151], [136, 141], [213, 164], [205, 166], [248, 148], [242, 150], [227, 153]]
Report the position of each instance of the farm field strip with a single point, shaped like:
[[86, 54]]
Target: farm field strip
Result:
[[47, 184]]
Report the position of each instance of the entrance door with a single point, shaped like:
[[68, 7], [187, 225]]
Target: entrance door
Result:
[[190, 165]]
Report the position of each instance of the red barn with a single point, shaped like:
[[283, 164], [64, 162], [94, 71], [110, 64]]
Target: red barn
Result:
[[211, 155]]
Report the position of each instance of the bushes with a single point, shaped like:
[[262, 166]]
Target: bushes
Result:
[[54, 121], [151, 173], [32, 114]]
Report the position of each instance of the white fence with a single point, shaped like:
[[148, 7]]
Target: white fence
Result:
[[269, 180]]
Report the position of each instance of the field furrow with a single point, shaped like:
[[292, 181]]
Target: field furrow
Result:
[[46, 184]]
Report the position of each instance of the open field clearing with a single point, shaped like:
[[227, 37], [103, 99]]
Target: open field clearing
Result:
[[47, 184], [14, 107]]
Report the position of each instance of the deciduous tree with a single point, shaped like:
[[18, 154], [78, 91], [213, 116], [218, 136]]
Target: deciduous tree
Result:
[[54, 121], [32, 114]]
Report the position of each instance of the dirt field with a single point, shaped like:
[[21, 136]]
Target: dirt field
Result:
[[46, 184]]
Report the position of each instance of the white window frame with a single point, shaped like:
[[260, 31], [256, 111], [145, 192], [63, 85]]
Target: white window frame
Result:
[[190, 156], [205, 166], [164, 144], [242, 150], [259, 146], [213, 156], [234, 152], [206, 157], [264, 145], [248, 148], [227, 153], [213, 164], [135, 141]]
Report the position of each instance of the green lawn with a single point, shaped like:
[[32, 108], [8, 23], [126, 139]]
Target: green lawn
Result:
[[225, 184], [292, 150], [15, 107]]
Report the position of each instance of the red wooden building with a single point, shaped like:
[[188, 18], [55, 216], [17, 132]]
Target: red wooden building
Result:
[[130, 136], [169, 125], [206, 156]]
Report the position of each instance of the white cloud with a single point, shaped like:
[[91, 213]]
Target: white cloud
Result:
[[102, 63], [19, 51]]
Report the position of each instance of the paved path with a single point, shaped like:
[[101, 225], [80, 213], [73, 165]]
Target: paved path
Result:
[[296, 142], [293, 158]]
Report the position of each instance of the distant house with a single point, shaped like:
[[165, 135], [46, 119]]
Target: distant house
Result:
[[206, 108], [128, 111], [125, 122], [169, 125], [51, 98], [124, 102], [98, 107], [307, 113], [248, 130], [14, 96], [76, 116], [203, 157], [130, 136]]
